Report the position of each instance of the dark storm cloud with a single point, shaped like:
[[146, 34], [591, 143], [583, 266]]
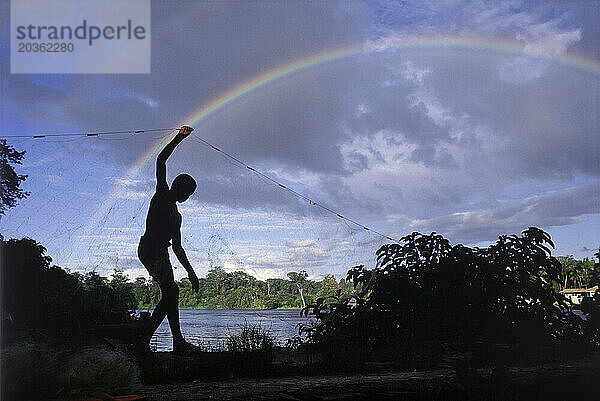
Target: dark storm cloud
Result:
[[296, 123], [244, 191], [200, 50], [562, 208]]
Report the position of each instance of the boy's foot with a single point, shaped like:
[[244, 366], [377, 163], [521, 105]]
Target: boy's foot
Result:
[[184, 348]]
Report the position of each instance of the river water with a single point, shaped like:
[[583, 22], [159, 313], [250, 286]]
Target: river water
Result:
[[210, 327]]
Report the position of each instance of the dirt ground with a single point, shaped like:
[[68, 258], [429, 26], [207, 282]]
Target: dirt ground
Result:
[[557, 381]]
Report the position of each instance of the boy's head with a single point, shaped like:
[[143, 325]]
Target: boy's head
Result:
[[183, 186]]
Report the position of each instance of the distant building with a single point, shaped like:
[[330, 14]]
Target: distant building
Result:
[[576, 295]]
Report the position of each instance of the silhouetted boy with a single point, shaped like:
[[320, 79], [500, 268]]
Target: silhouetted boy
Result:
[[163, 228]]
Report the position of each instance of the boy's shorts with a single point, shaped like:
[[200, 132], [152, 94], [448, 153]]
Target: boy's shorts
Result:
[[156, 262]]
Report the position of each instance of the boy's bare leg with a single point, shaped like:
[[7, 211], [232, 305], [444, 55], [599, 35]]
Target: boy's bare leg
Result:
[[171, 298], [171, 302]]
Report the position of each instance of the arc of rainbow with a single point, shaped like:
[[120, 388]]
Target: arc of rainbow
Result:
[[370, 47]]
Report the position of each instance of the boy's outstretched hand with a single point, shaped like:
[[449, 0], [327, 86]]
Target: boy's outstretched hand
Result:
[[185, 130]]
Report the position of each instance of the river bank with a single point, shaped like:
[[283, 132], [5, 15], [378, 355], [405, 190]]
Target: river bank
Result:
[[452, 373], [553, 381]]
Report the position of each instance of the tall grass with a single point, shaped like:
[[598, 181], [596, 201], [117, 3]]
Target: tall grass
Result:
[[250, 338]]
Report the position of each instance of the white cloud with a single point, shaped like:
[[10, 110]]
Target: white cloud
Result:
[[544, 38], [134, 195], [548, 38], [53, 179], [126, 181], [134, 273]]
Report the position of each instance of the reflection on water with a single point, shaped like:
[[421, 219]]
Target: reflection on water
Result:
[[210, 327]]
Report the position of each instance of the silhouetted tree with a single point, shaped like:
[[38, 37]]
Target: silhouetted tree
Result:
[[42, 298], [10, 181]]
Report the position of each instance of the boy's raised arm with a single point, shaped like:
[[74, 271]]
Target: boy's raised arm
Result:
[[161, 161]]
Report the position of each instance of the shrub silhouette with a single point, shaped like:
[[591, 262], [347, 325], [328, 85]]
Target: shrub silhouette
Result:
[[422, 288]]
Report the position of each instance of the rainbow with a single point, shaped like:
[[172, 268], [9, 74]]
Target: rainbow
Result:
[[387, 44]]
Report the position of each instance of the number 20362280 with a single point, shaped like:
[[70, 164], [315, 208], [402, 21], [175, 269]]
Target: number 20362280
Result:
[[35, 47]]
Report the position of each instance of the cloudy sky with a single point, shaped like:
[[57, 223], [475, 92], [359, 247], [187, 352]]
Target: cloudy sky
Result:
[[471, 119]]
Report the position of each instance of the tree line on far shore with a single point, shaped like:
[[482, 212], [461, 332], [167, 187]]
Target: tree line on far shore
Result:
[[236, 290], [239, 290]]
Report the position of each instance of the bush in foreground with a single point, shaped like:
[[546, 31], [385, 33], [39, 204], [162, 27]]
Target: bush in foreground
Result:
[[423, 289]]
